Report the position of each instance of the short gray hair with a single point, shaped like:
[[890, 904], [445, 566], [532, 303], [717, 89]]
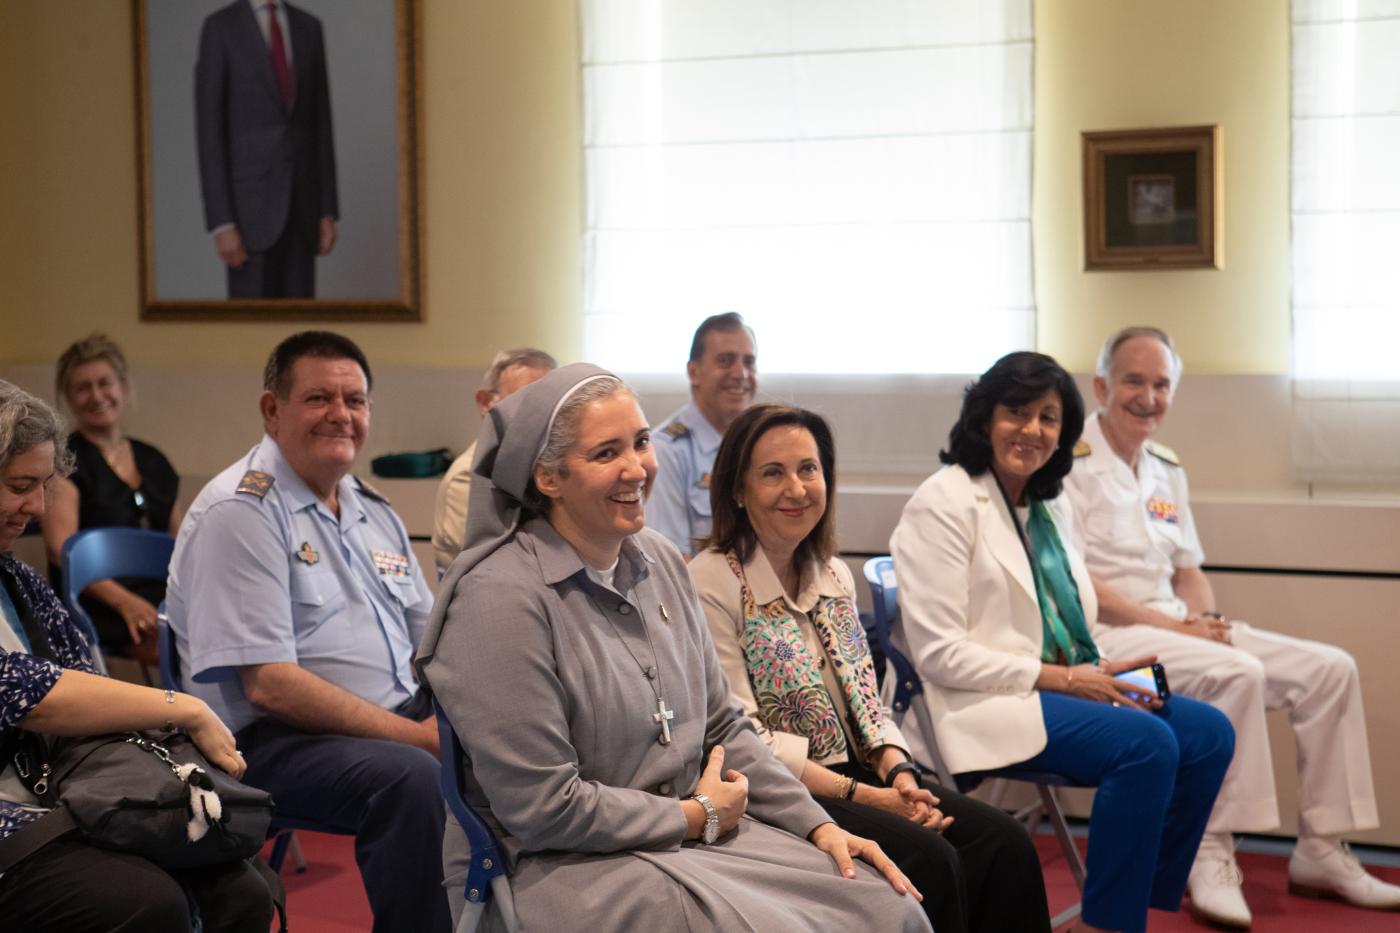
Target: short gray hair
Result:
[[26, 421], [508, 359], [563, 431], [1111, 345]]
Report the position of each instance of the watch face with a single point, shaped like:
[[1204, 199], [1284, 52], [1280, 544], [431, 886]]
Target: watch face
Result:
[[711, 831]]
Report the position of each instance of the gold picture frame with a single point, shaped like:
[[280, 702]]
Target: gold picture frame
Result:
[[371, 52], [1153, 199]]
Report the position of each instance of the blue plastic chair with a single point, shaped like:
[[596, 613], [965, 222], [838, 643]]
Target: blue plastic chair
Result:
[[486, 876], [908, 693], [103, 553], [280, 830]]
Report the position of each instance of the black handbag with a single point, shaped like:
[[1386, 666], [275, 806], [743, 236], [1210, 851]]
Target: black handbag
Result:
[[150, 794]]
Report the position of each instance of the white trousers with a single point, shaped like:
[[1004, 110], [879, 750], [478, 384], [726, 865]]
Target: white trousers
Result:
[[1319, 686]]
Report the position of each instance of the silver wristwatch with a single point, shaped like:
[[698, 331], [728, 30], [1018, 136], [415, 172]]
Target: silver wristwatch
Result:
[[711, 831]]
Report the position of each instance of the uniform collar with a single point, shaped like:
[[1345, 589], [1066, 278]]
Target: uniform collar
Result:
[[268, 457], [559, 561], [707, 439], [765, 586], [1102, 457]]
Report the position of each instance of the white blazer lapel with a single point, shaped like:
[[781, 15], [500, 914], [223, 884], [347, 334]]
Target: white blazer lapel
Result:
[[1000, 536]]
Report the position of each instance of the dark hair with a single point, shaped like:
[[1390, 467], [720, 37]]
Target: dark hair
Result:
[[321, 344], [728, 321], [1017, 379], [731, 529]]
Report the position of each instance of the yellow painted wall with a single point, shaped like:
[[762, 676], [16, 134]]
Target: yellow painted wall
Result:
[[1121, 64], [501, 146], [501, 121]]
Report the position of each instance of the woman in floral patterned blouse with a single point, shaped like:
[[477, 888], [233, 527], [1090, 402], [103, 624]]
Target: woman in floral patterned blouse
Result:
[[48, 685], [781, 608]]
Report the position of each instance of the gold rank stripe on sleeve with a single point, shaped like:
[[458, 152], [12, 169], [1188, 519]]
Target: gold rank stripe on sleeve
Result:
[[1082, 449], [255, 483], [676, 429], [1163, 452]]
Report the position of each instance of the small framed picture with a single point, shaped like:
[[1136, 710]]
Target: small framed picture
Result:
[[1152, 199]]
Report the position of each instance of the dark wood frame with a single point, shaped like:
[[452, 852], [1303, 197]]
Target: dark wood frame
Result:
[[408, 306], [1205, 145]]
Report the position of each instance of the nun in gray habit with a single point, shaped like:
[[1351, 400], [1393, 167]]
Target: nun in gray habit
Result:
[[588, 700]]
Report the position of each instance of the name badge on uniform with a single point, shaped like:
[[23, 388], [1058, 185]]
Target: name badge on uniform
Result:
[[1163, 511], [390, 564], [307, 554]]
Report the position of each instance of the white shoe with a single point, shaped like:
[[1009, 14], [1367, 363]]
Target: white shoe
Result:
[[1214, 885], [1340, 877]]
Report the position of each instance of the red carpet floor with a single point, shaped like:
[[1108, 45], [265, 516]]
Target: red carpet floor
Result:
[[328, 898]]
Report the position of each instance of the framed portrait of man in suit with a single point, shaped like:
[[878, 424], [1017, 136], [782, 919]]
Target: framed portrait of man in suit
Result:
[[280, 173]]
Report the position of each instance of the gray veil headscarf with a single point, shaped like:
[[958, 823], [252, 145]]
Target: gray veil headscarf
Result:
[[511, 440]]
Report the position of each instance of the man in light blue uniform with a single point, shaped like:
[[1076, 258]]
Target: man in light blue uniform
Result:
[[297, 604], [723, 380]]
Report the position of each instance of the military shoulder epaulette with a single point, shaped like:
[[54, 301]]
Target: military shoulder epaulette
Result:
[[370, 491], [1163, 452], [1082, 449], [676, 429], [255, 483]]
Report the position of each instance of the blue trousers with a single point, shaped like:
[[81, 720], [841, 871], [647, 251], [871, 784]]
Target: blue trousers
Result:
[[1157, 776], [384, 793]]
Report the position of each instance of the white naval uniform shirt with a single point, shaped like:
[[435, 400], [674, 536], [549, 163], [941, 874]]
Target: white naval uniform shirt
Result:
[[1136, 529]]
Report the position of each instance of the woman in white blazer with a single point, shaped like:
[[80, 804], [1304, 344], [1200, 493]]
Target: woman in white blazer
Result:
[[995, 605]]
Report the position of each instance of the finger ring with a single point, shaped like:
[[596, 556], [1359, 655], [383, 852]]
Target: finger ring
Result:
[[240, 754], [1116, 704]]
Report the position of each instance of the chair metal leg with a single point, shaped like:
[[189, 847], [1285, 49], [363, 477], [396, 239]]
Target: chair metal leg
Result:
[[279, 851], [298, 860], [1057, 821]]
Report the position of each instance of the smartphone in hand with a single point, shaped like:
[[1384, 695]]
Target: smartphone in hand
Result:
[[1150, 681]]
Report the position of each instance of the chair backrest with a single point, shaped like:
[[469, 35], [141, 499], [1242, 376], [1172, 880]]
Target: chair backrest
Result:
[[487, 862], [103, 553], [169, 659], [884, 594]]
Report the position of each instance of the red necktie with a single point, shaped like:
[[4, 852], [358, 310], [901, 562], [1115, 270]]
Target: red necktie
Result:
[[279, 55]]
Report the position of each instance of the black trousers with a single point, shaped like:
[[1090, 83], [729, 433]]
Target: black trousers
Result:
[[981, 875], [71, 887], [384, 793], [286, 269]]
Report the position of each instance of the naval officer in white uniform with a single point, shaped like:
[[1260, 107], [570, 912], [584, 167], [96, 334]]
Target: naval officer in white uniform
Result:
[[1131, 503]]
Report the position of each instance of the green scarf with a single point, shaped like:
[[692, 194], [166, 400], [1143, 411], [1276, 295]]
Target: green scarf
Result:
[[1066, 634]]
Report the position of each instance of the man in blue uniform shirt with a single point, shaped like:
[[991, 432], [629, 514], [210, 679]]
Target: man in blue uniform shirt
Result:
[[723, 379], [296, 604]]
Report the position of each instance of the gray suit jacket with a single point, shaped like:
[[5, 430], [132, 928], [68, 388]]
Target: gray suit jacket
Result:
[[261, 166]]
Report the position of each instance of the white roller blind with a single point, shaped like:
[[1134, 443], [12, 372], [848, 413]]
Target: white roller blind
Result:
[[1346, 239], [851, 175]]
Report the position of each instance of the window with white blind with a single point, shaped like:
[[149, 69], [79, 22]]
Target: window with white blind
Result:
[[851, 175], [1346, 239]]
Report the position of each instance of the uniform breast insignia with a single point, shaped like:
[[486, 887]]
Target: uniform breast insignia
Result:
[[703, 482], [1082, 449], [1163, 511], [676, 430], [307, 554], [1163, 452], [255, 483], [390, 563], [370, 491]]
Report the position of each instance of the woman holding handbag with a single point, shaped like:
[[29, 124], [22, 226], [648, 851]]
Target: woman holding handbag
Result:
[[48, 685]]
